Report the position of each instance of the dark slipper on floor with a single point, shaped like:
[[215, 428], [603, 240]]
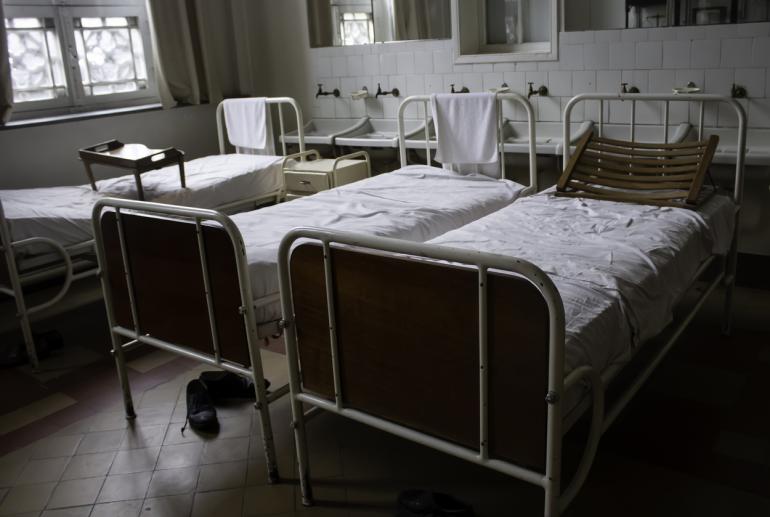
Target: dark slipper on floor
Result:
[[201, 414], [431, 504], [228, 385]]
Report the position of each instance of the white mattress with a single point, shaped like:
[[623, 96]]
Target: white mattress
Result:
[[416, 203], [619, 267], [64, 213]]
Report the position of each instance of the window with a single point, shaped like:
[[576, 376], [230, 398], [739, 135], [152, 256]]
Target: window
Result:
[[78, 56], [357, 28]]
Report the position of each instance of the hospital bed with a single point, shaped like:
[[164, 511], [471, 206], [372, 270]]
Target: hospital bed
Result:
[[491, 341], [204, 285], [46, 233]]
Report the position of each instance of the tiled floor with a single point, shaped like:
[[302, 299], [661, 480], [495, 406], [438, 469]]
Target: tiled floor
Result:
[[695, 442]]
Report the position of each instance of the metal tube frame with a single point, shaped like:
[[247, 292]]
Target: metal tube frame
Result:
[[501, 97], [65, 266], [556, 499], [136, 336]]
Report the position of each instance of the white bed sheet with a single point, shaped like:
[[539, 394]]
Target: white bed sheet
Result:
[[619, 267], [415, 203], [64, 213]]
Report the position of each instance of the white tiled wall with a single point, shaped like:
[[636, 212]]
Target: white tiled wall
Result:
[[653, 60]]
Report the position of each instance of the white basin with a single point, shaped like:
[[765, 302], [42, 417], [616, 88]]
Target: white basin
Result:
[[757, 145], [324, 131], [416, 140], [379, 133], [548, 136], [648, 133]]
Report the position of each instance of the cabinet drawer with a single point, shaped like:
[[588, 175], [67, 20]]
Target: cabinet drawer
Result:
[[306, 181]]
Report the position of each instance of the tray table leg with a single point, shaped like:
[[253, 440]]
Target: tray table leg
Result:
[[181, 172], [139, 190], [89, 173]]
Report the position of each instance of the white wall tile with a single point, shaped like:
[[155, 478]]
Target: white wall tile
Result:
[[727, 115], [583, 81], [492, 80], [549, 109], [610, 36], [622, 55], [395, 81], [423, 62], [560, 83], [719, 81], [322, 67], [662, 81], [649, 113], [405, 62], [596, 56], [571, 57], [442, 61], [649, 54], [575, 37], [371, 64], [705, 53], [434, 83], [526, 66], [390, 107], [326, 107], [547, 66], [537, 79], [759, 113], [685, 76], [761, 52], [340, 66], [342, 108], [357, 108], [472, 81], [516, 81], [638, 78], [736, 53], [374, 108], [505, 67], [388, 64], [608, 81], [355, 65], [347, 85], [634, 35], [452, 79], [753, 79], [676, 54], [415, 84], [481, 68]]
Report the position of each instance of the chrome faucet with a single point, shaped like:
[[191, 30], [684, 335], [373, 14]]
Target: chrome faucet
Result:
[[321, 92], [542, 91]]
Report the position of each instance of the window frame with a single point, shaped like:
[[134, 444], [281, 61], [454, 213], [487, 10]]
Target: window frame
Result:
[[76, 101]]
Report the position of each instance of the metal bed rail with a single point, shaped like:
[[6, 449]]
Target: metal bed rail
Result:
[[501, 97], [137, 336], [279, 101]]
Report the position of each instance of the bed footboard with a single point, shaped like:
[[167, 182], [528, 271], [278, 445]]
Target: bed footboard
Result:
[[465, 357]]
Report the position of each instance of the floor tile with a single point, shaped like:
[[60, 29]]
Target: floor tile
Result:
[[142, 437], [175, 436], [118, 509], [268, 500], [76, 492], [236, 427], [41, 471], [174, 506], [151, 361], [34, 412], [154, 415], [177, 456], [28, 498], [230, 449], [220, 502], [173, 482], [10, 468], [219, 476], [135, 460], [101, 441], [109, 421], [80, 511], [89, 465], [124, 487], [56, 446], [3, 491]]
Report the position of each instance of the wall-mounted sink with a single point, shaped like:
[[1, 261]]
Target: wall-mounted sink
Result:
[[324, 131], [379, 133], [757, 145], [548, 136], [647, 133], [416, 140]]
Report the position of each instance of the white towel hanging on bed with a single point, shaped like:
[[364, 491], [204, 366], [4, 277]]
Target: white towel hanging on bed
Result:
[[248, 124], [466, 128]]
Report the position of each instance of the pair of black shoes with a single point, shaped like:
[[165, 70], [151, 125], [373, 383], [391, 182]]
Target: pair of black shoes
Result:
[[212, 387], [431, 504]]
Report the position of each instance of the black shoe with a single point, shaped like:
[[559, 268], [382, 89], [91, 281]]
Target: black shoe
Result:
[[201, 414], [228, 385], [431, 504]]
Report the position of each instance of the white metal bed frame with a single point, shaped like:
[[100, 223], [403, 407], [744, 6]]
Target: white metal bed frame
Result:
[[247, 311], [501, 97], [556, 499], [74, 254]]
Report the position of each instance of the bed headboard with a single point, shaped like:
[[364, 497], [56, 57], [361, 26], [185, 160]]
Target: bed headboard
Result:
[[279, 101], [173, 280], [407, 340]]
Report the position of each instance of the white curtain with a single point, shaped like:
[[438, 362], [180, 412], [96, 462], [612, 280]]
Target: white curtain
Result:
[[6, 87]]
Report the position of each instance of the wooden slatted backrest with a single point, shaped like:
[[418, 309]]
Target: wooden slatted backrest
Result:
[[407, 333], [636, 172], [167, 281]]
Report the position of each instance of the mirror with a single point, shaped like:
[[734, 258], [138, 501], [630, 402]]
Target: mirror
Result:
[[583, 15], [335, 23]]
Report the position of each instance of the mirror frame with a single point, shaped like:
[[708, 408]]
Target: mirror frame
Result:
[[466, 42]]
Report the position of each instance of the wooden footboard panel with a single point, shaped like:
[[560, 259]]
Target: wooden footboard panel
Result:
[[408, 346], [167, 280]]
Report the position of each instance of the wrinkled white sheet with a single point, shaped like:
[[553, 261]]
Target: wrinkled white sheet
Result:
[[619, 267], [64, 213], [415, 203]]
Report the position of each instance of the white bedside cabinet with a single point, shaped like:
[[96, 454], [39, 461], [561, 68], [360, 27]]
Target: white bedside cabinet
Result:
[[303, 178]]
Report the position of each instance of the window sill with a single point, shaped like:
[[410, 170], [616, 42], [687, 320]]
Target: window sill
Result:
[[71, 117]]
